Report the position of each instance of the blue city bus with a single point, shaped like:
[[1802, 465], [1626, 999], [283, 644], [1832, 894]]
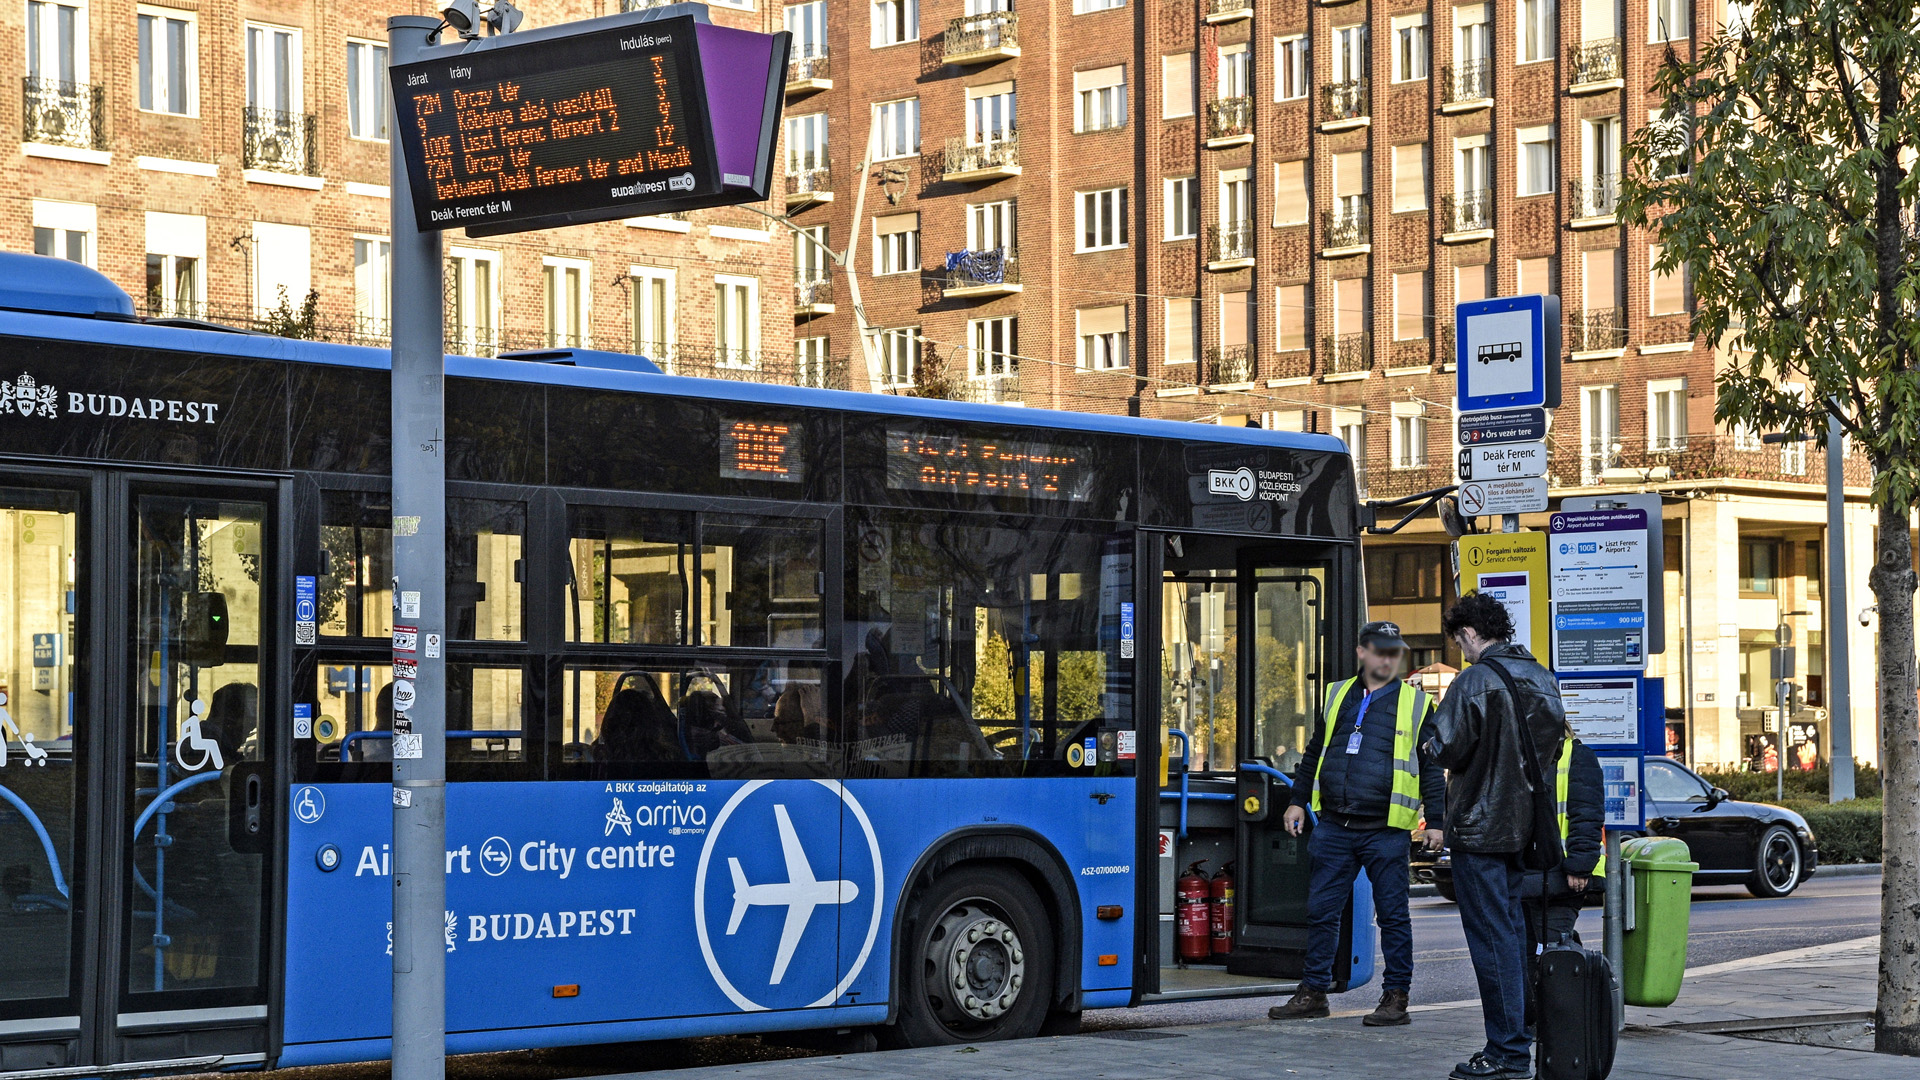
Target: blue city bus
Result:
[[769, 708]]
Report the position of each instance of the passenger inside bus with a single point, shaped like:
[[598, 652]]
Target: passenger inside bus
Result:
[[377, 749], [637, 726], [233, 720]]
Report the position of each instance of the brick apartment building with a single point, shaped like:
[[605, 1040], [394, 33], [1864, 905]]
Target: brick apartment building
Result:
[[1229, 211]]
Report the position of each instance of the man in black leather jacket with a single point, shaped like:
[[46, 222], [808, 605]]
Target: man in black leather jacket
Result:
[[1490, 806]]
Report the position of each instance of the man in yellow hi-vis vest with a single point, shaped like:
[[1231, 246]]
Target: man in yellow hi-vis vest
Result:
[[1365, 778]]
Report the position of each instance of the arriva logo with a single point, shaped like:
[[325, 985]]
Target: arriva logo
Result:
[[827, 896], [1235, 482]]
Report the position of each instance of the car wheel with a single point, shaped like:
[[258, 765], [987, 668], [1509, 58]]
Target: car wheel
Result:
[[1780, 868], [1445, 889], [977, 962]]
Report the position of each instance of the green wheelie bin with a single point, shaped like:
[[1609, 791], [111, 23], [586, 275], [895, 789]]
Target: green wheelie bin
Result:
[[1656, 946]]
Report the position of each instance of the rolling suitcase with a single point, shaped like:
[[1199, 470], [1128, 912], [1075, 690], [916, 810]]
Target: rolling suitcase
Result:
[[1577, 1024]]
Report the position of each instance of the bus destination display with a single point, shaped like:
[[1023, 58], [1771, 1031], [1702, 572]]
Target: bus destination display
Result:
[[963, 464], [761, 450], [610, 118]]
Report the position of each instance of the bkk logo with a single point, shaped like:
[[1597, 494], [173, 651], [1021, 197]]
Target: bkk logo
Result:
[[827, 890]]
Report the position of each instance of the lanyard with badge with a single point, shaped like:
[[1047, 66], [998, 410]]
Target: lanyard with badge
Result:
[[1353, 740]]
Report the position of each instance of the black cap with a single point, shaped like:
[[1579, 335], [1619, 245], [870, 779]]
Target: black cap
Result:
[[1382, 635]]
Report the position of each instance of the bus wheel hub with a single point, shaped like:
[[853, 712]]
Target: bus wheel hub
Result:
[[985, 963]]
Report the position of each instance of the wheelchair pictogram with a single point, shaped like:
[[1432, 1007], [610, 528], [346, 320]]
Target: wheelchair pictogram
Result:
[[193, 741]]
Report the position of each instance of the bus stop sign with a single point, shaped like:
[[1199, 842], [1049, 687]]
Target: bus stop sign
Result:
[[1507, 353]]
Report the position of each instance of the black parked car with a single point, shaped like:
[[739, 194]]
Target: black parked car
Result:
[[1769, 849]]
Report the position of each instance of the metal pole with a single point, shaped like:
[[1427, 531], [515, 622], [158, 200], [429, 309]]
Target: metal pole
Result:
[[1780, 693], [869, 350], [1839, 669], [420, 579], [1613, 934]]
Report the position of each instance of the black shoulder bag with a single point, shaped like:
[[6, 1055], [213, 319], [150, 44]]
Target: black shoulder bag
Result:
[[1542, 851]]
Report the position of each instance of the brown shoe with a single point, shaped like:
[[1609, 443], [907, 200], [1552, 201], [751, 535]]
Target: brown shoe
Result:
[[1307, 1004], [1392, 1011]]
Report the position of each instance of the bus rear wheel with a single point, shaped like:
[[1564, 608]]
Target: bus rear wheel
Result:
[[978, 962]]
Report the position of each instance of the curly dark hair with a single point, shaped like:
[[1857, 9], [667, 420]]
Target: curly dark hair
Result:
[[1488, 617]]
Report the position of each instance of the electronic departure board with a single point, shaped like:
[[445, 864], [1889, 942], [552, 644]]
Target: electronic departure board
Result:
[[761, 450], [967, 464], [558, 125]]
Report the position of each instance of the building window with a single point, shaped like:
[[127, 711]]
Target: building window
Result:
[[1290, 198], [1290, 68], [1601, 287], [1472, 167], [1100, 99], [812, 357], [65, 230], [1759, 567], [1410, 306], [1670, 142], [992, 348], [1350, 427], [1103, 337], [1599, 431], [1176, 85], [810, 249], [899, 356], [57, 46], [895, 21], [806, 143], [1349, 53], [176, 256], [366, 90], [282, 266], [1668, 20], [1236, 319], [1667, 414], [1537, 30], [1081, 7], [990, 113], [993, 225], [808, 25], [1352, 299], [1472, 45], [1350, 188], [273, 71], [1534, 276], [896, 246], [1601, 159], [736, 319], [1183, 208], [1471, 283], [1410, 47], [1103, 219], [168, 63], [1236, 71], [567, 295], [1292, 306], [1410, 177], [1183, 323], [652, 312], [899, 128], [473, 301], [1739, 16], [1669, 292], [1409, 435], [1236, 199], [373, 285], [1536, 160]]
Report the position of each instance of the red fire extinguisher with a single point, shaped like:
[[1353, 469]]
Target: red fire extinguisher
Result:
[[1190, 914], [1220, 905]]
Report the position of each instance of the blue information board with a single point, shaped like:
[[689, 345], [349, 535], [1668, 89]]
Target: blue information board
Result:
[[1507, 353]]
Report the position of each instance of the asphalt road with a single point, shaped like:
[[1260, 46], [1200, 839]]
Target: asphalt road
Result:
[[1727, 923]]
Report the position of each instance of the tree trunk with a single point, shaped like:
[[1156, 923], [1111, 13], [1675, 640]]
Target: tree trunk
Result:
[[1897, 1013]]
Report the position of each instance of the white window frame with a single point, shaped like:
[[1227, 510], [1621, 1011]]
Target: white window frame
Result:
[[993, 225], [1100, 108], [43, 40], [1597, 438], [807, 23], [1236, 197], [991, 118], [1105, 351], [64, 220], [270, 268], [1088, 7], [172, 238], [807, 143], [1536, 17], [993, 346], [1292, 68], [1472, 164], [811, 356], [1182, 207], [895, 22], [1306, 188], [467, 280], [896, 252], [1350, 427], [1526, 172], [1409, 435], [1167, 82], [898, 129], [153, 81], [567, 327], [899, 356], [1472, 34], [367, 90], [1667, 414], [649, 340], [1675, 23], [1676, 164], [1349, 54], [1426, 168], [1412, 47], [1105, 210], [1236, 71], [262, 62], [730, 291], [373, 283], [810, 260]]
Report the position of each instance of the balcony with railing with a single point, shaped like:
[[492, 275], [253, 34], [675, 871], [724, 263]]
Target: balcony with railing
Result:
[[1229, 122], [812, 293], [1343, 104], [982, 38], [977, 275], [1349, 228], [69, 114], [1396, 481], [811, 72], [986, 160], [1694, 459], [742, 365], [1346, 354], [1230, 366], [809, 180], [1446, 349], [1596, 330], [1596, 66], [1230, 245], [643, 5], [998, 389], [1596, 200], [1226, 11], [1466, 86], [279, 141], [1466, 215]]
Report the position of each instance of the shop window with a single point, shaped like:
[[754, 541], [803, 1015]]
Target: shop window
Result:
[[1759, 567]]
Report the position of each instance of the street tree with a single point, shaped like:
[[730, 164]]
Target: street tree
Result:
[[1778, 177]]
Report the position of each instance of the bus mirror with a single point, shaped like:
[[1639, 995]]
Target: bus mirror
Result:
[[202, 637]]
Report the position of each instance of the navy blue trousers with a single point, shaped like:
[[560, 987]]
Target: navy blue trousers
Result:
[[1337, 855], [1488, 887]]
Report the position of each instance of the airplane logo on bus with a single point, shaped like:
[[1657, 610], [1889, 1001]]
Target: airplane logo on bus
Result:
[[826, 886]]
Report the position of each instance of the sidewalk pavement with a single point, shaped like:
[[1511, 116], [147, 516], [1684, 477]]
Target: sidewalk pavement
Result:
[[1837, 979]]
